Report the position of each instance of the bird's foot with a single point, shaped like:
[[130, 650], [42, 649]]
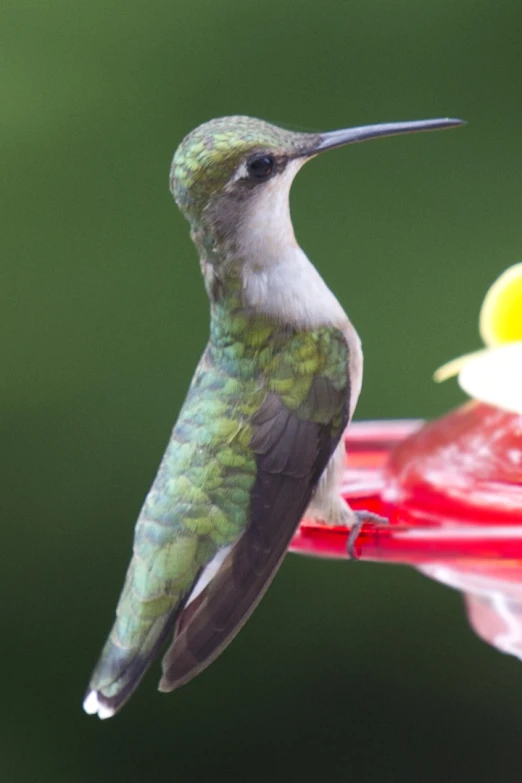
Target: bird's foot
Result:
[[355, 528], [333, 510]]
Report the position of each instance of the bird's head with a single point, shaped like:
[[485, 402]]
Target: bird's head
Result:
[[225, 168], [233, 175]]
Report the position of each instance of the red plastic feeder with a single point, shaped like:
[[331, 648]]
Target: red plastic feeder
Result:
[[452, 490]]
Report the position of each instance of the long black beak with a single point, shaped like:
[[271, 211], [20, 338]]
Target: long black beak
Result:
[[339, 138]]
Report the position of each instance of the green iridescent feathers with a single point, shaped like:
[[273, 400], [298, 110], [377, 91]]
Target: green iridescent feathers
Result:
[[200, 499], [206, 158]]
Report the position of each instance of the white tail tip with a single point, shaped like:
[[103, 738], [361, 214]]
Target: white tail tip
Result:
[[92, 706]]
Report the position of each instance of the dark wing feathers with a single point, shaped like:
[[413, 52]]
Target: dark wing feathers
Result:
[[286, 444], [323, 395], [270, 423], [291, 454]]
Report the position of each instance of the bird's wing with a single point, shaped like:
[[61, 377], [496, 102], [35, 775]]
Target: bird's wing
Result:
[[292, 446]]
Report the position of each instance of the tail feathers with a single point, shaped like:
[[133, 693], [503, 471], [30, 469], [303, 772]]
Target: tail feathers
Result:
[[120, 670]]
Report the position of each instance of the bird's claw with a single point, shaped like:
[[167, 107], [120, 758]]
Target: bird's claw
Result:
[[355, 528]]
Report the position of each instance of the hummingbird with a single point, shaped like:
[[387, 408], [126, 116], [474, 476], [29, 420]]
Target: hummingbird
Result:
[[258, 443]]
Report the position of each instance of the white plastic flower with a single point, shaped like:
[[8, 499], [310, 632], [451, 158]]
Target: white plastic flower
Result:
[[494, 374]]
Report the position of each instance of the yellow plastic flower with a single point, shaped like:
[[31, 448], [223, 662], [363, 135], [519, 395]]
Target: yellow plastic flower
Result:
[[494, 374]]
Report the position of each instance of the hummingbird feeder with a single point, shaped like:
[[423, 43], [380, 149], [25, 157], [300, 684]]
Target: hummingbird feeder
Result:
[[451, 488]]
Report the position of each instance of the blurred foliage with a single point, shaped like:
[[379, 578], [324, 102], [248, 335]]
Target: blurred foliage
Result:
[[364, 671]]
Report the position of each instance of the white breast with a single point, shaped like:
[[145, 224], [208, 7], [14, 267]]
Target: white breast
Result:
[[291, 290]]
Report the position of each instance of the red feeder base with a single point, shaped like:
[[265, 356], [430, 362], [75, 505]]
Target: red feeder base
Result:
[[452, 490]]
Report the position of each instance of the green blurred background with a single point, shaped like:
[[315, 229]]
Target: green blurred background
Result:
[[363, 672]]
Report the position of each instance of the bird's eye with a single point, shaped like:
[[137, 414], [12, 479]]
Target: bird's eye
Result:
[[261, 167]]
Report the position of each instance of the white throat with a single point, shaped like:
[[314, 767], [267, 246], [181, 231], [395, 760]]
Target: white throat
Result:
[[278, 279]]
